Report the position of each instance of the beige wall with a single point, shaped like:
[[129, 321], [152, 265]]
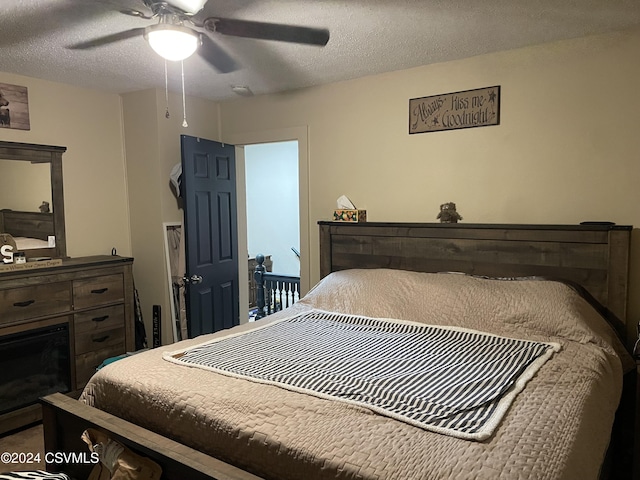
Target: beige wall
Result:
[[567, 149], [89, 124], [24, 185], [153, 148]]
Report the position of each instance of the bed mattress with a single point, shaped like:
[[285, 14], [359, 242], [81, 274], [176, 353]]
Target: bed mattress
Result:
[[29, 243], [558, 427]]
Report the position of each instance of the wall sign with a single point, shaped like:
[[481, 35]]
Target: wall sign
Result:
[[14, 107], [451, 111]]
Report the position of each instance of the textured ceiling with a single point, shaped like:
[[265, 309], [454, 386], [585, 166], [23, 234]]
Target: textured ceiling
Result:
[[367, 37]]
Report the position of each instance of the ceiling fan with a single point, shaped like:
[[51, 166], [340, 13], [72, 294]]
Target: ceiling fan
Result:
[[177, 34]]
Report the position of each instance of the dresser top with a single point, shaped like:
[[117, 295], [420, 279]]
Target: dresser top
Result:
[[68, 264]]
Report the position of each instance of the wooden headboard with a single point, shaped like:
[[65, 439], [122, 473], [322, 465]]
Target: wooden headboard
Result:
[[27, 224], [594, 256]]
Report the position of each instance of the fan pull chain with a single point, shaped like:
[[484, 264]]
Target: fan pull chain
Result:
[[184, 103], [166, 90]]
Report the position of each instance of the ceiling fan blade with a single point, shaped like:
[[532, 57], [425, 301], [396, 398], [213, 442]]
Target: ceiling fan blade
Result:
[[115, 37], [132, 12], [216, 56], [267, 31]]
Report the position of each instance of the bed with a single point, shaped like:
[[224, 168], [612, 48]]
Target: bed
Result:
[[558, 426], [30, 230]]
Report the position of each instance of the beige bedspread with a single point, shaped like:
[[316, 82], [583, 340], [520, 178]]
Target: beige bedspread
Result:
[[557, 428]]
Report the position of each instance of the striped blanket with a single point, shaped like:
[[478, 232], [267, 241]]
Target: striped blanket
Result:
[[448, 380]]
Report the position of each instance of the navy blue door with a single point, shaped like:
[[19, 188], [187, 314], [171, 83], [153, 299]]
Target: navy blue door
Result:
[[211, 235]]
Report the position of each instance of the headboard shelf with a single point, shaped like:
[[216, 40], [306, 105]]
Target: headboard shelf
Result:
[[594, 256]]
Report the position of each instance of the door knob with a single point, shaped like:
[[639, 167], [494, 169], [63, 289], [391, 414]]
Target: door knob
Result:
[[193, 279]]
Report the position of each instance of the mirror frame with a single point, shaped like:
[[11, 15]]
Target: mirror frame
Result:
[[33, 153]]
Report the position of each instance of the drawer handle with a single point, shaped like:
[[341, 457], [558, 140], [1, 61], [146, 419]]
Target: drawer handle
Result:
[[100, 339], [26, 303], [100, 319], [99, 290]]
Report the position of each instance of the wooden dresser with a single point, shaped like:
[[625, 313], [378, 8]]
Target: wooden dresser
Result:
[[92, 296]]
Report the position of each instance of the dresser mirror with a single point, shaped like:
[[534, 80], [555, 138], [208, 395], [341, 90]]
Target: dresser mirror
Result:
[[31, 198]]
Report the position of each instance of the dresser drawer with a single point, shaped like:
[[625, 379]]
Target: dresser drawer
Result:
[[87, 363], [30, 302], [99, 319], [98, 340], [91, 292]]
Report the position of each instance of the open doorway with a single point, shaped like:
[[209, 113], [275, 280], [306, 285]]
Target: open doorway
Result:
[[298, 135], [273, 210]]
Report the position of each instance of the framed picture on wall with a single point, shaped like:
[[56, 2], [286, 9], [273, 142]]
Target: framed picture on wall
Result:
[[14, 107]]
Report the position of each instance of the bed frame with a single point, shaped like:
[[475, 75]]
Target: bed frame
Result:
[[27, 224], [595, 256]]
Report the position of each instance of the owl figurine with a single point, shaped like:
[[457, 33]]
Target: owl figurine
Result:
[[448, 213]]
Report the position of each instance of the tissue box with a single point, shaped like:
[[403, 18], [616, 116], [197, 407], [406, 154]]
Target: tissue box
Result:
[[343, 215]]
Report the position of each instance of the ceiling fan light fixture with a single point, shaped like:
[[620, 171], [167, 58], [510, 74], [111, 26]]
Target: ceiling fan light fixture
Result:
[[173, 42], [190, 6]]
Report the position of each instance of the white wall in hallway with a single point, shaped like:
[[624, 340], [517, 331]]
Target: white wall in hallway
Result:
[[273, 203]]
